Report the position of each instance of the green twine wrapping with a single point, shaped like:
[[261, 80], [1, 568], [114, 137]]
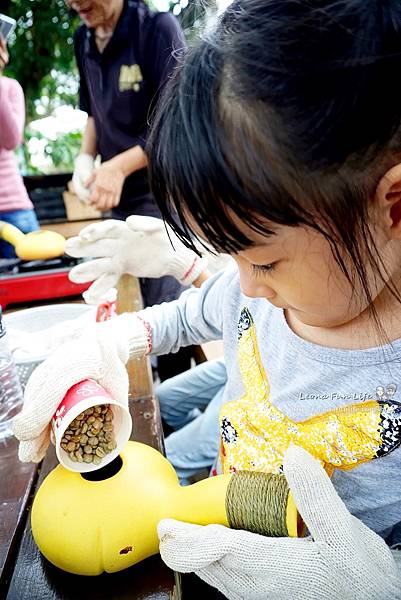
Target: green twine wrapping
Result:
[[257, 502]]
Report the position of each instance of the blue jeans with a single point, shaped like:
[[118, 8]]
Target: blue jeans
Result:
[[25, 220], [195, 444]]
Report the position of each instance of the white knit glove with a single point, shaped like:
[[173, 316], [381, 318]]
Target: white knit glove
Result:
[[83, 167], [342, 560], [141, 246], [100, 354]]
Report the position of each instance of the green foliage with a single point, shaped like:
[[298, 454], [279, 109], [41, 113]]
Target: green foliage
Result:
[[41, 51], [63, 151], [42, 60], [60, 153]]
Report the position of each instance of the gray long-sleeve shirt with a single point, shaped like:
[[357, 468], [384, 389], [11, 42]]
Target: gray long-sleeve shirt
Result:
[[305, 379]]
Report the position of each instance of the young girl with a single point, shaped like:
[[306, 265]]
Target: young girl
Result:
[[279, 142]]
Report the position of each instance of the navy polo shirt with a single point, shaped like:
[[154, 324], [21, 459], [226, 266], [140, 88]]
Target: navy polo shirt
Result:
[[119, 87]]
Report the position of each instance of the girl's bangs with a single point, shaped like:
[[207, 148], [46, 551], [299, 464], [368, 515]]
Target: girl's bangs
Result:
[[195, 175]]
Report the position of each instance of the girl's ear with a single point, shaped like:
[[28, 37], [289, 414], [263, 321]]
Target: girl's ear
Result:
[[388, 201]]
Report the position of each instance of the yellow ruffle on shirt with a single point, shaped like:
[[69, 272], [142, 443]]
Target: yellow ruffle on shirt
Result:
[[255, 434]]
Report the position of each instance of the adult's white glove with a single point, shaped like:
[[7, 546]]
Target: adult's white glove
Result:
[[342, 560], [141, 246], [83, 168], [100, 354]]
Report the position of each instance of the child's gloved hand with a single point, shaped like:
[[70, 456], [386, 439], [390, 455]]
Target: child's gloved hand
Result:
[[100, 354], [83, 168], [343, 559], [141, 246]]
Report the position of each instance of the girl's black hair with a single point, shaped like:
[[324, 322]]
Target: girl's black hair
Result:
[[290, 112]]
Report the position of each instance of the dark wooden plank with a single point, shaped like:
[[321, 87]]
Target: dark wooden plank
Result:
[[146, 422], [129, 299], [16, 482]]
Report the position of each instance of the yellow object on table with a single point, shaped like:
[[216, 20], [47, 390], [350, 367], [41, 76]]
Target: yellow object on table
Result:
[[36, 245], [86, 527]]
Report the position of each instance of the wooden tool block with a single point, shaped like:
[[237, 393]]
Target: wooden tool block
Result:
[[77, 210]]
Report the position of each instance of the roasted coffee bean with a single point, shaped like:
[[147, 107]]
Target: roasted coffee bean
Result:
[[90, 436]]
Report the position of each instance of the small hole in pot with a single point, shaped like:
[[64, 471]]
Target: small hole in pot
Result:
[[104, 472]]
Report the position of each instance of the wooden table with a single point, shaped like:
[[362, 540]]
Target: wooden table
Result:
[[26, 575]]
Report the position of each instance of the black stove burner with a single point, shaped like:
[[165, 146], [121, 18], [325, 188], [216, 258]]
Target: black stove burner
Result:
[[15, 266]]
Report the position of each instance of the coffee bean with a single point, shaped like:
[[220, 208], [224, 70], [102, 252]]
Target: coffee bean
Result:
[[90, 436]]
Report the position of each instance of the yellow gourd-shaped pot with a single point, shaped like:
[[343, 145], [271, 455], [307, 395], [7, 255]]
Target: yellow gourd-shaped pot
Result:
[[87, 527], [36, 245]]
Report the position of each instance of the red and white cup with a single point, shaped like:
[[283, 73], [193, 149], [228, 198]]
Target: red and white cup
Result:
[[79, 397]]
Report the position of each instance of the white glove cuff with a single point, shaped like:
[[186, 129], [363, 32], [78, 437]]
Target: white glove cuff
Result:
[[186, 266], [84, 161], [137, 333]]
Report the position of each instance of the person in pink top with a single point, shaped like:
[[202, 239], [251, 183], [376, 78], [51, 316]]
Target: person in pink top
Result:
[[15, 205]]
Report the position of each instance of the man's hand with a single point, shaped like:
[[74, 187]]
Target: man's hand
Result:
[[341, 560], [106, 184], [3, 54]]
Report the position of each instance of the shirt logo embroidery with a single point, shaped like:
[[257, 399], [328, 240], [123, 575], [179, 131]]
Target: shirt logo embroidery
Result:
[[130, 78]]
